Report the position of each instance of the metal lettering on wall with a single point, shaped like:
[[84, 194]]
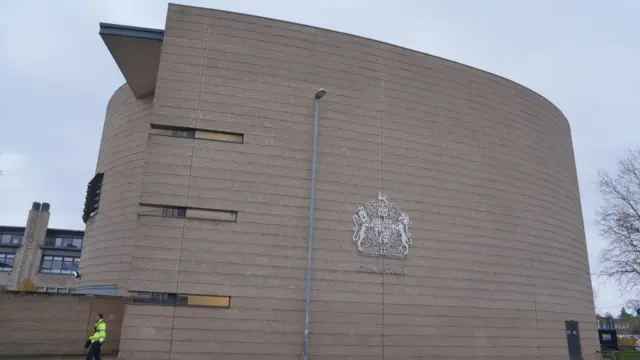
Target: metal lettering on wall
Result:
[[381, 270], [381, 229]]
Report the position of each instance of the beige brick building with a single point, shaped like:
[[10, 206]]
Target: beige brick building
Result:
[[474, 248], [38, 253]]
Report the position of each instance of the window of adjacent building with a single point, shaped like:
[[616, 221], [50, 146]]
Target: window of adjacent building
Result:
[[59, 264], [10, 239], [64, 242], [6, 262]]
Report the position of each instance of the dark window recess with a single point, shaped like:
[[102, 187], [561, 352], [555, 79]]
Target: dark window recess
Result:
[[6, 262], [191, 213], [192, 133], [10, 239], [182, 300], [173, 131], [183, 133], [174, 212], [92, 199], [63, 242], [155, 298], [59, 264]]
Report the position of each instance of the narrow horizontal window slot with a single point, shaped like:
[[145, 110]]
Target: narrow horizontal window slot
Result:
[[219, 215], [193, 133], [175, 131], [144, 298], [163, 210], [174, 212], [154, 298], [219, 136], [213, 301], [190, 213]]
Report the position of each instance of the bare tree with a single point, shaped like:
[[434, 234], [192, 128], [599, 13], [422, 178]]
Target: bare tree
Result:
[[619, 220], [634, 306], [607, 321]]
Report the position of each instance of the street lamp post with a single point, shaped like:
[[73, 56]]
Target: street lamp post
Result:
[[312, 206]]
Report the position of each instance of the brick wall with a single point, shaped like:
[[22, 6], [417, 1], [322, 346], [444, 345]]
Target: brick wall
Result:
[[55, 324], [484, 168]]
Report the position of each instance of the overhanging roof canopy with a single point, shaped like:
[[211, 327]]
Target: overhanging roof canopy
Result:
[[137, 53]]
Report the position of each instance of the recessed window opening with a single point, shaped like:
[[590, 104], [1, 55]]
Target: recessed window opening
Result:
[[151, 298], [6, 262], [92, 198], [10, 239], [187, 212], [178, 212], [63, 242], [193, 133], [64, 265]]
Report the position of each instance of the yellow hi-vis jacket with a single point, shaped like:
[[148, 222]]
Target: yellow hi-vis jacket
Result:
[[99, 332]]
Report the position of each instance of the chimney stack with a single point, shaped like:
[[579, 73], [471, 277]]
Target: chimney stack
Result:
[[28, 255]]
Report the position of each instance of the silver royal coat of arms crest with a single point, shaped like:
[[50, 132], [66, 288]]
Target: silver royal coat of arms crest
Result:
[[381, 229]]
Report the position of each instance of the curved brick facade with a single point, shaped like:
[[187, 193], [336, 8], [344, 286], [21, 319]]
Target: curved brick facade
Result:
[[109, 236], [483, 167]]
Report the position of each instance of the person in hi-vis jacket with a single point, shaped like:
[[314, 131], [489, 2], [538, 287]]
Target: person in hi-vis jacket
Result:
[[96, 339]]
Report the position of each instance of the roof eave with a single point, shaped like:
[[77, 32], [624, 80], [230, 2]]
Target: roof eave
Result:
[[136, 51]]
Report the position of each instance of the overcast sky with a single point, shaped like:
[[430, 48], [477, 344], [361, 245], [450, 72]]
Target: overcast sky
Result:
[[56, 77]]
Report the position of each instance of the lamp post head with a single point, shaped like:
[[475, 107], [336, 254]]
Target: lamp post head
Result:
[[320, 93]]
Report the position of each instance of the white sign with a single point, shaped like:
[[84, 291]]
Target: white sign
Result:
[[381, 229]]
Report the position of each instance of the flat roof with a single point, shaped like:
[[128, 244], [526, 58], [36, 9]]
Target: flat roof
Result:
[[131, 31], [7, 229], [65, 232], [136, 51], [50, 231]]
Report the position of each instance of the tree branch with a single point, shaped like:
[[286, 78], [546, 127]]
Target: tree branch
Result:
[[619, 220]]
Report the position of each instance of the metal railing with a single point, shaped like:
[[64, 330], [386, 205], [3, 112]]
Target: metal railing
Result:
[[620, 355]]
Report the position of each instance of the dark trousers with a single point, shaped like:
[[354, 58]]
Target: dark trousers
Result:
[[94, 351]]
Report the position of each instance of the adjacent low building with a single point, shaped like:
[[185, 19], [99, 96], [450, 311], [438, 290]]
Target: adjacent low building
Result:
[[624, 326], [39, 255], [447, 218]]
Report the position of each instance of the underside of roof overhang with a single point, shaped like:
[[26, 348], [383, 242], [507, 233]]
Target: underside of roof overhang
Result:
[[136, 51]]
